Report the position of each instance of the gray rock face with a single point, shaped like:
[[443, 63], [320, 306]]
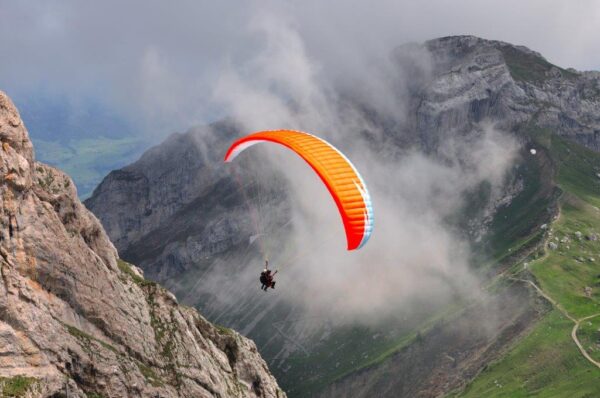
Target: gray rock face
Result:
[[73, 316], [473, 80], [178, 204], [152, 189]]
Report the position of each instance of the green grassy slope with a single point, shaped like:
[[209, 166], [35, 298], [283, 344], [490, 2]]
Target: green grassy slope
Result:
[[529, 67], [547, 363], [352, 349], [347, 351], [589, 336], [514, 227]]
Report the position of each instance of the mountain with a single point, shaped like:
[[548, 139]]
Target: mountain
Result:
[[77, 321], [179, 215]]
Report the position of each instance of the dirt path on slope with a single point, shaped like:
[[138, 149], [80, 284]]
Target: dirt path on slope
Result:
[[576, 340], [577, 322]]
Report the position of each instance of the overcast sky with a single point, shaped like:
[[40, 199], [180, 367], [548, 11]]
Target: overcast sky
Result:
[[155, 63]]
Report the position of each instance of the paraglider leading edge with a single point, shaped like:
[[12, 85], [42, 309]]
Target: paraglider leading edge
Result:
[[339, 175]]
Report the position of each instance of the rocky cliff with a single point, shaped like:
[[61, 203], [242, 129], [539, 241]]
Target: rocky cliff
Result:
[[76, 319], [472, 80]]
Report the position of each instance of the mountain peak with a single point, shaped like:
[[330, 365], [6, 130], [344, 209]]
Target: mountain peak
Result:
[[17, 150], [475, 42]]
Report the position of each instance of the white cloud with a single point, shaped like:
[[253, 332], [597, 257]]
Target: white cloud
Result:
[[84, 49], [413, 254]]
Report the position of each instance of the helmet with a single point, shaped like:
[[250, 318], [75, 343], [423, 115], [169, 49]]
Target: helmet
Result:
[[265, 270]]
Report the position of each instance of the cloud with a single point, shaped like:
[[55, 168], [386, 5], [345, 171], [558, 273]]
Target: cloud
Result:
[[414, 255], [276, 64], [106, 50]]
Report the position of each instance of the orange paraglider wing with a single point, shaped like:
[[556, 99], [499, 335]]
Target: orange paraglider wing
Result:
[[335, 170]]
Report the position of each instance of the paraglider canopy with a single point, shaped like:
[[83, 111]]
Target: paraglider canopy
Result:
[[339, 175]]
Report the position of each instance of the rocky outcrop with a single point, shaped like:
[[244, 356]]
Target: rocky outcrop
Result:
[[151, 190], [473, 80], [179, 195], [76, 318]]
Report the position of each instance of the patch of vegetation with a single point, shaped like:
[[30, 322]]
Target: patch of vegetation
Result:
[[578, 170], [150, 376], [567, 271], [94, 395], [589, 336], [514, 232], [546, 363], [47, 181], [125, 268], [164, 334], [362, 348], [224, 330], [159, 327], [16, 386], [530, 67], [87, 338], [310, 372], [169, 344]]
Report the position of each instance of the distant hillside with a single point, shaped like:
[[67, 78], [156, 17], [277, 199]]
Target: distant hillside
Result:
[[86, 139], [88, 160]]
